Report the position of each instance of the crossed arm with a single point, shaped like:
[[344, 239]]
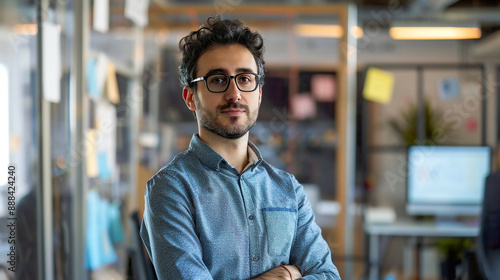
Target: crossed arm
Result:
[[280, 273]]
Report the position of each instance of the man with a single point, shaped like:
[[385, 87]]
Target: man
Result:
[[218, 210]]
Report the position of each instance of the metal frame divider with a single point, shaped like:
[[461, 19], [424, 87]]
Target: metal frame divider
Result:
[[45, 250], [78, 123]]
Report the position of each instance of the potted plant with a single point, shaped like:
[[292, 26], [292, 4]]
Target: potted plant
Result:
[[452, 252], [406, 125]]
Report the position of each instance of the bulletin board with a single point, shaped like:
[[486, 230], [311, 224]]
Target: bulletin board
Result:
[[452, 97]]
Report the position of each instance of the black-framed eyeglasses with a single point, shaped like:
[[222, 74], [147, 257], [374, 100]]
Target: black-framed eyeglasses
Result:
[[216, 83]]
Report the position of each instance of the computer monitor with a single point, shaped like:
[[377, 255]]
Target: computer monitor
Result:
[[446, 181]]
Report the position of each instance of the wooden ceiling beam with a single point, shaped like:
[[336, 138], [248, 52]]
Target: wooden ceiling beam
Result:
[[247, 9]]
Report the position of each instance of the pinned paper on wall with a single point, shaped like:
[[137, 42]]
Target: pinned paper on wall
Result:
[[449, 88], [101, 70], [101, 15], [379, 85], [108, 251], [106, 125], [97, 71], [303, 106], [93, 242], [116, 233], [99, 249], [5, 147], [91, 153], [104, 172], [470, 89], [92, 87], [323, 87], [137, 11], [471, 124], [51, 62], [112, 91]]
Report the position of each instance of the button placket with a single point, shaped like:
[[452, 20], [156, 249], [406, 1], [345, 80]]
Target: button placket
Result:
[[253, 226]]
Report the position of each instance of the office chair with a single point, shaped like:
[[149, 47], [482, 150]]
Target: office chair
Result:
[[141, 266], [488, 241]]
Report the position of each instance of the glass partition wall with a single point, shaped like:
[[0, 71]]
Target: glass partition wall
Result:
[[19, 147], [52, 132], [36, 136]]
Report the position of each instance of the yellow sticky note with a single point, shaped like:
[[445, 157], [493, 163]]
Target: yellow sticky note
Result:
[[91, 153], [379, 85], [112, 85]]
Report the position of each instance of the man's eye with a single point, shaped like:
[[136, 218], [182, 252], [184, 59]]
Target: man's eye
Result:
[[244, 79], [218, 80]]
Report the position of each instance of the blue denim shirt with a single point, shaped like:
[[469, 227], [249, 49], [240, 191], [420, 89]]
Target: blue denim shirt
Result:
[[204, 220]]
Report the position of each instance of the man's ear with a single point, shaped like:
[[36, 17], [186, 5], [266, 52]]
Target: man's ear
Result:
[[188, 96], [260, 95]]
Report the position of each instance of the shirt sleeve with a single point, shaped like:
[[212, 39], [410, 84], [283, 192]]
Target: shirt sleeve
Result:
[[310, 252], [168, 230]]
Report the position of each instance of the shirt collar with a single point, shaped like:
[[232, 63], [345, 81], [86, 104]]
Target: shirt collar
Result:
[[252, 155], [213, 160]]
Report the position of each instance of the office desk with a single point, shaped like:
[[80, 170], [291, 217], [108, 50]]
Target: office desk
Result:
[[410, 229]]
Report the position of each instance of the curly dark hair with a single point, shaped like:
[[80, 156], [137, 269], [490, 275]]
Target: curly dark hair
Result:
[[218, 32]]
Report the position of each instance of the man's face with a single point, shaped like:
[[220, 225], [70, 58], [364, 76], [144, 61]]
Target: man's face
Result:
[[231, 113]]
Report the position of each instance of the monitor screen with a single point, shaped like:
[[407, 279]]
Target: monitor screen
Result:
[[446, 180]]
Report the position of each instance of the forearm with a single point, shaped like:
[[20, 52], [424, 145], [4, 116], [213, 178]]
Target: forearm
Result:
[[316, 276], [280, 273], [310, 251]]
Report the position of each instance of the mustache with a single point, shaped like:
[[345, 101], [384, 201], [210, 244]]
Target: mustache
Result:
[[232, 106]]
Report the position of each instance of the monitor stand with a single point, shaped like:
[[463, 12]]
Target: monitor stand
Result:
[[446, 221], [454, 221]]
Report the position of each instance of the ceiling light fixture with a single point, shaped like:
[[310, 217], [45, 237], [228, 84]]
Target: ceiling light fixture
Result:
[[325, 31], [26, 29], [434, 31]]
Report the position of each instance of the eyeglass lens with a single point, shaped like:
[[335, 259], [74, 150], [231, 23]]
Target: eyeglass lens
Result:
[[244, 82]]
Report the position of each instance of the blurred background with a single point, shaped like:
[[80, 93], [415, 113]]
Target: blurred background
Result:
[[91, 108]]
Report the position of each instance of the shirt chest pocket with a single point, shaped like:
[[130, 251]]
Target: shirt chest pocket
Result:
[[280, 229]]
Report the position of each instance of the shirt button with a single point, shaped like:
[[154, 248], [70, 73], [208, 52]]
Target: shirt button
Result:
[[255, 258], [251, 217]]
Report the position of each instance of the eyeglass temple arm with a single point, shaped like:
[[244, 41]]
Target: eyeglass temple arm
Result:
[[198, 79]]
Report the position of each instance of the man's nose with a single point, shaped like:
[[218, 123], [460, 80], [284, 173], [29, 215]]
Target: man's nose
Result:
[[233, 93]]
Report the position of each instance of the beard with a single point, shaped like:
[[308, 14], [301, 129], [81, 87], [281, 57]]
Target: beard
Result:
[[234, 130]]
